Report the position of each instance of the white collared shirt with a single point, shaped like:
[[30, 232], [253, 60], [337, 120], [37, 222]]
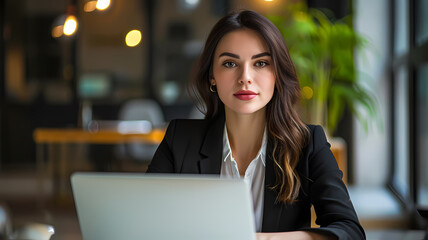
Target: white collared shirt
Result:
[[254, 175]]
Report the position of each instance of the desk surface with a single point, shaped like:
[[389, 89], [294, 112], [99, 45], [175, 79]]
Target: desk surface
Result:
[[75, 135]]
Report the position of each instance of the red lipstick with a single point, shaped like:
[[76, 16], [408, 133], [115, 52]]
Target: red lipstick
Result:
[[245, 95]]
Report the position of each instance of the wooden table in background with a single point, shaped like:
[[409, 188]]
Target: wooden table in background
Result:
[[67, 135], [55, 136]]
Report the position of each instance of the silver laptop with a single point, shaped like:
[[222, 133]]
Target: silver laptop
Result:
[[174, 207]]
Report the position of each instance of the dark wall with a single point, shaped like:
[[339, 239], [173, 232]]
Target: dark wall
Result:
[[2, 75]]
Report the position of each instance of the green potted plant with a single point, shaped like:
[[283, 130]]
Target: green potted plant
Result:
[[323, 53]]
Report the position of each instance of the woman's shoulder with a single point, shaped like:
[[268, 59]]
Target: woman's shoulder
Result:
[[317, 139], [190, 123], [189, 127], [317, 132], [313, 127], [184, 132]]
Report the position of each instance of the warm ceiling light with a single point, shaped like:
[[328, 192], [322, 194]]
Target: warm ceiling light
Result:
[[103, 4], [57, 31], [90, 6], [70, 25], [133, 38]]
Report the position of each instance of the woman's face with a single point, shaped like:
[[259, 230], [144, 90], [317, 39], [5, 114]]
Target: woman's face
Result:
[[243, 72]]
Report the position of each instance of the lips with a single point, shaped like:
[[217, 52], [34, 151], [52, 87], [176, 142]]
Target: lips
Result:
[[245, 95]]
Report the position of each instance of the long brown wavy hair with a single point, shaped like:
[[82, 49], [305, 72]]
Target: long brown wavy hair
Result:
[[290, 135]]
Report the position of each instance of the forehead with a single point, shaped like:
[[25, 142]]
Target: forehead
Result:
[[242, 41]]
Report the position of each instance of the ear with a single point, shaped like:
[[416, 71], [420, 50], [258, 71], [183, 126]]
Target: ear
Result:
[[212, 81]]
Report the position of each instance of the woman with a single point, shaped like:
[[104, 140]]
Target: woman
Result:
[[248, 84]]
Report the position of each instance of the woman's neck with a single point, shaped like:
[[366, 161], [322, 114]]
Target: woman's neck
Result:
[[245, 133]]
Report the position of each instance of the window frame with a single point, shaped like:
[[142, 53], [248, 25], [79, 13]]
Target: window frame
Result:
[[415, 57]]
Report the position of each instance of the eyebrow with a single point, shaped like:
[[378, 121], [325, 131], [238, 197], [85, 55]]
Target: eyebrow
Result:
[[237, 57], [229, 54], [261, 55]]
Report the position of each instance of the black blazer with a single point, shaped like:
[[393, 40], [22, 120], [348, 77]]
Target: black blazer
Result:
[[195, 147]]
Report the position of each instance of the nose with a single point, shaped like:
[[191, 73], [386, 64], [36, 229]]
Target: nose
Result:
[[245, 76]]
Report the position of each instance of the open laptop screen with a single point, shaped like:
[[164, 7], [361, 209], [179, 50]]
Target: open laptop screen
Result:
[[139, 206]]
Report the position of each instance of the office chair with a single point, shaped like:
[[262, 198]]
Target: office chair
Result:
[[134, 110]]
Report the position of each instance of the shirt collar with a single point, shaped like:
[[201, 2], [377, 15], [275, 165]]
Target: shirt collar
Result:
[[228, 151]]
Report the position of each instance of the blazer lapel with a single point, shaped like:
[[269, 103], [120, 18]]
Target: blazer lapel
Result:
[[272, 209], [212, 148]]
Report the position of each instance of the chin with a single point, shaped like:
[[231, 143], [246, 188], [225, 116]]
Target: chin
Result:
[[245, 110]]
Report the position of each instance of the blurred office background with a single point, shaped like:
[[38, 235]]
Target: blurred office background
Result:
[[91, 77]]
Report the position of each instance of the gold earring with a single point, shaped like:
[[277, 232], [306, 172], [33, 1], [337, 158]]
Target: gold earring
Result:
[[211, 88]]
